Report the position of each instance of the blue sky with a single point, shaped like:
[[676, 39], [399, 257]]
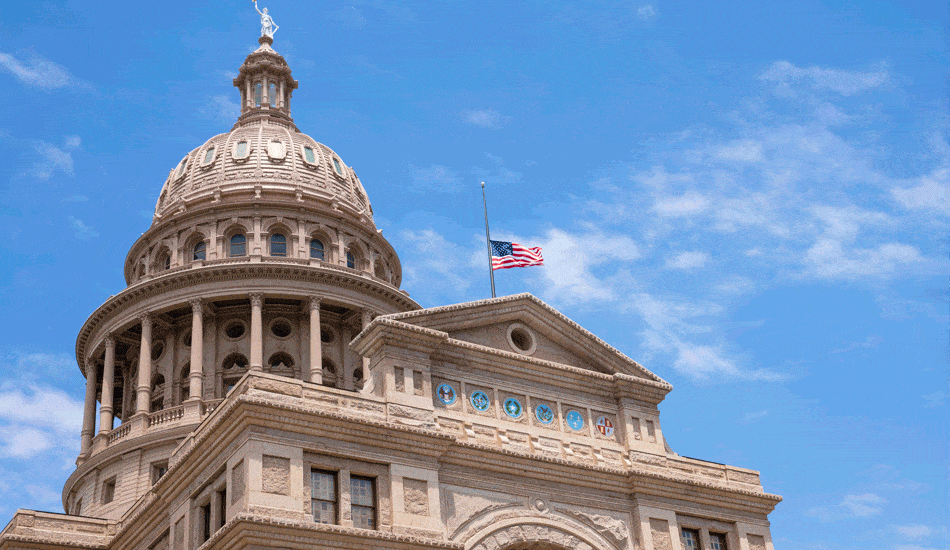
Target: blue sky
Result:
[[749, 198]]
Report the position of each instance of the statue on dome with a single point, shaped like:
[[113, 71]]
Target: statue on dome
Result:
[[268, 28]]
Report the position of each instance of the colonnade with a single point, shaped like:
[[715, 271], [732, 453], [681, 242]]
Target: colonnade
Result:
[[314, 373]]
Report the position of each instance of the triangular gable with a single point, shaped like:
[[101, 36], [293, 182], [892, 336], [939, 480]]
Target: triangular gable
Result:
[[559, 339]]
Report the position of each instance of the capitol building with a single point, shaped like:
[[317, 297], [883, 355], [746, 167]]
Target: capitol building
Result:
[[263, 382]]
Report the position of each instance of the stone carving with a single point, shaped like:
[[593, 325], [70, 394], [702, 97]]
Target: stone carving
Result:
[[416, 496], [531, 533], [756, 542], [462, 507], [276, 150], [276, 475], [610, 528], [268, 28], [661, 534], [410, 415]]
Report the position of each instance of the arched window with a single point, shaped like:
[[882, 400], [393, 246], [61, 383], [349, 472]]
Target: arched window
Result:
[[278, 245], [316, 249], [272, 94], [350, 260], [238, 245], [185, 392], [234, 366], [329, 373], [257, 94], [281, 363], [199, 251], [158, 393]]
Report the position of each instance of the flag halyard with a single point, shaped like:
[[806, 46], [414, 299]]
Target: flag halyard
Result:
[[505, 255]]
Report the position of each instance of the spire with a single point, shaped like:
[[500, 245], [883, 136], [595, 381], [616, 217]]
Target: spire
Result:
[[266, 85]]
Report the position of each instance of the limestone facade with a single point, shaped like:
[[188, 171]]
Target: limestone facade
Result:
[[264, 383]]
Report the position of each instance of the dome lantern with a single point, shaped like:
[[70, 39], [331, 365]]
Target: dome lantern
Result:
[[266, 85]]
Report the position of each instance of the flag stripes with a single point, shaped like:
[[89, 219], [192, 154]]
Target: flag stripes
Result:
[[506, 255]]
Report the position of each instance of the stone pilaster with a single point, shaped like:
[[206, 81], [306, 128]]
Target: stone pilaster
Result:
[[257, 332]]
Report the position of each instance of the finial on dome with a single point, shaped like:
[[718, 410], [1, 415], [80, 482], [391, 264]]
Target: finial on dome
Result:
[[268, 28]]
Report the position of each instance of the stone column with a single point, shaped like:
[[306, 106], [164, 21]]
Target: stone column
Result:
[[108, 387], [257, 332], [144, 389], [366, 318], [265, 92], [89, 411], [316, 345], [250, 96], [196, 374], [280, 95]]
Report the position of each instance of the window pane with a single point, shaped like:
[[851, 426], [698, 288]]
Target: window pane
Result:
[[278, 245], [323, 486], [690, 539], [272, 93], [350, 260], [257, 94], [316, 249], [324, 512], [241, 149], [337, 167], [361, 492], [308, 155], [209, 155], [363, 517], [717, 541], [199, 251], [238, 245]]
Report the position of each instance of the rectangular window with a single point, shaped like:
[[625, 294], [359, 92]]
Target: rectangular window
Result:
[[205, 513], [158, 470], [323, 496], [257, 94], [363, 502], [222, 507], [108, 491], [690, 539], [717, 541], [308, 155]]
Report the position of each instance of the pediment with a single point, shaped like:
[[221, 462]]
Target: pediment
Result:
[[496, 324]]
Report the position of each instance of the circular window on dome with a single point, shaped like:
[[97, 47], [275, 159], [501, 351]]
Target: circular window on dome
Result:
[[208, 159], [326, 334], [281, 328], [309, 155], [186, 339], [234, 330], [242, 150], [521, 339]]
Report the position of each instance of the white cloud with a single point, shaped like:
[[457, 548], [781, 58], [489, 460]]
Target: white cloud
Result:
[[742, 150], [41, 406], [683, 205], [934, 400], [753, 416], [486, 118], [852, 506], [82, 231], [23, 442], [40, 72], [915, 531], [931, 192], [688, 260], [54, 159], [830, 259], [438, 267], [223, 108], [843, 82], [434, 178], [646, 12]]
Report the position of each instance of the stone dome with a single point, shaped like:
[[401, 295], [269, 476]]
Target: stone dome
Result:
[[261, 157]]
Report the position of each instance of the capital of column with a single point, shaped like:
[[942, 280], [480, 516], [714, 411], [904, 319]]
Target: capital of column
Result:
[[109, 341], [366, 316], [257, 300], [146, 319], [197, 305], [90, 368], [315, 302]]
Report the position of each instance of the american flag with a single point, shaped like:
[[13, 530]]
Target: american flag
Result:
[[505, 255]]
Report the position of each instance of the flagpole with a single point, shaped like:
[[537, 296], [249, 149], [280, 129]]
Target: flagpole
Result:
[[491, 271]]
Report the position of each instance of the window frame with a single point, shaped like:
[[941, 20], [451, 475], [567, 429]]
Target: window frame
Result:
[[373, 508], [335, 476], [195, 252], [231, 245], [108, 490], [323, 249], [271, 243]]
